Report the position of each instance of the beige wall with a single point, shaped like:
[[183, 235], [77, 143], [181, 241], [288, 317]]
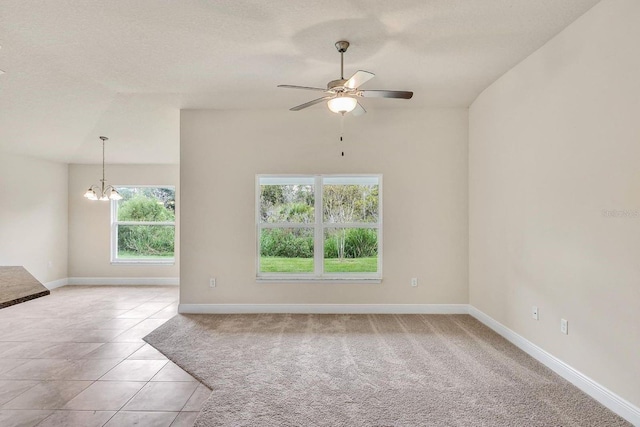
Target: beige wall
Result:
[[422, 155], [553, 144], [33, 216], [90, 221]]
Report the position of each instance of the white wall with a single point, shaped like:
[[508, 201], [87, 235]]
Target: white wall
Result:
[[33, 216], [422, 155], [90, 221], [553, 144]]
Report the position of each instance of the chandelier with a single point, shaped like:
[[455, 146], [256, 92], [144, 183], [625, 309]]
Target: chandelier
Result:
[[102, 191]]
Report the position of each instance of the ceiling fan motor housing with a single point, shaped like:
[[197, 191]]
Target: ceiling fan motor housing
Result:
[[338, 85]]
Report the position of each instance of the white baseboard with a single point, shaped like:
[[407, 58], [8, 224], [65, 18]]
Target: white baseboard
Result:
[[169, 281], [603, 395], [56, 283], [325, 308]]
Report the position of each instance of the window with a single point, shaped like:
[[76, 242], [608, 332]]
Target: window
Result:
[[143, 225], [322, 227]]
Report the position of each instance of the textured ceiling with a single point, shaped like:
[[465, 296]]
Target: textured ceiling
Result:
[[75, 70]]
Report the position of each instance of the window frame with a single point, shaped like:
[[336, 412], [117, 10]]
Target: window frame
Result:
[[114, 231], [319, 226]]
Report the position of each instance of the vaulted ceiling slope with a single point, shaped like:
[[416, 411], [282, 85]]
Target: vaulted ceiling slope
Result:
[[124, 68]]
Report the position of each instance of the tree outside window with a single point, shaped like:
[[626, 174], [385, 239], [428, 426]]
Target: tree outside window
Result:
[[143, 225]]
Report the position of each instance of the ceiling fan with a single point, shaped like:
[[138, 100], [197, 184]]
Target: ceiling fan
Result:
[[341, 94]]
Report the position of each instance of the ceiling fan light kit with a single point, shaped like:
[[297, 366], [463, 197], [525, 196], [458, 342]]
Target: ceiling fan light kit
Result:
[[342, 104], [102, 192], [342, 94]]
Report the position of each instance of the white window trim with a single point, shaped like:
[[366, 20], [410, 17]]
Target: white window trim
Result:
[[319, 227], [114, 232]]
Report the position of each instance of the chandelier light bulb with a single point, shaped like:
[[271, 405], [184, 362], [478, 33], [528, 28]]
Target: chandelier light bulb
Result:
[[91, 195], [115, 195]]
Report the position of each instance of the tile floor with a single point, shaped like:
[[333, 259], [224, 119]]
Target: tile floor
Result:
[[76, 358]]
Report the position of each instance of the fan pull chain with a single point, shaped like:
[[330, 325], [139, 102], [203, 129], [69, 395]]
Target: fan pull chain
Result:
[[342, 130]]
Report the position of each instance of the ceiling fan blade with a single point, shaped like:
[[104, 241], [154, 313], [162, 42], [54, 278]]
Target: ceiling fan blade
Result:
[[303, 87], [386, 94], [359, 110], [358, 79], [310, 103]]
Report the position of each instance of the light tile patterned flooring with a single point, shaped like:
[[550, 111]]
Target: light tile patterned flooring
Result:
[[76, 358]]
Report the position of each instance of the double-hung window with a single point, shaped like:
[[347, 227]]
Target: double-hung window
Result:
[[143, 225], [319, 227]]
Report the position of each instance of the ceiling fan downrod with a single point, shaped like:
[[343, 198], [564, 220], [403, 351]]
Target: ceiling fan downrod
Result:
[[342, 47]]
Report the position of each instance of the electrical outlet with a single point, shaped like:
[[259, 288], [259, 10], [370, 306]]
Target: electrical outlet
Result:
[[212, 282], [534, 312], [564, 326], [414, 282]]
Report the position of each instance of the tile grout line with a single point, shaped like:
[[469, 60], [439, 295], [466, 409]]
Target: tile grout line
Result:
[[35, 385], [53, 411], [189, 398]]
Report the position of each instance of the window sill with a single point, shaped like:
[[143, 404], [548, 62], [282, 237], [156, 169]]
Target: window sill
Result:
[[325, 280], [143, 262]]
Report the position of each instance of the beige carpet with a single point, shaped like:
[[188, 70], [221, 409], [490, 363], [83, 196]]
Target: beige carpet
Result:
[[368, 370], [17, 285]]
